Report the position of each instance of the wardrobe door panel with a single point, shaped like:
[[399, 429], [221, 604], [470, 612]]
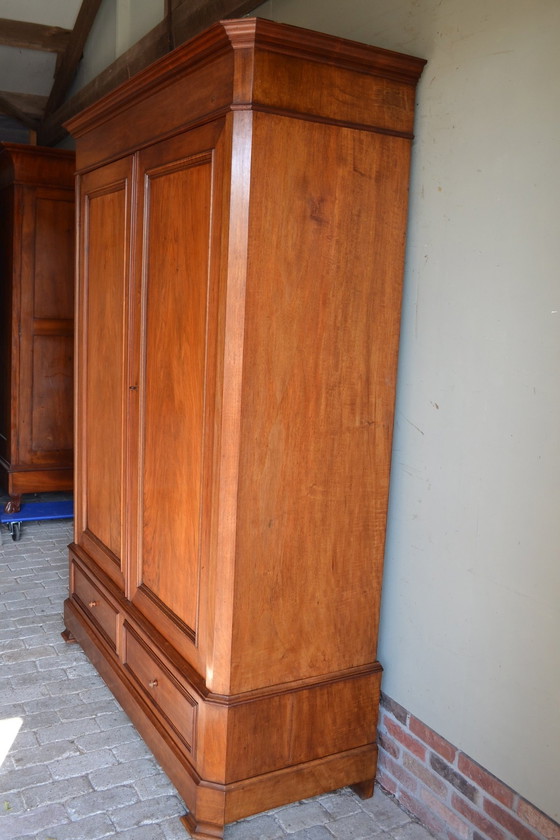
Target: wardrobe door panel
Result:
[[46, 353], [51, 421], [36, 319], [178, 217], [8, 327], [53, 287], [104, 359]]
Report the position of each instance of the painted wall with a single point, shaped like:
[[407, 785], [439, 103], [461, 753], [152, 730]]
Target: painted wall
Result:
[[470, 635], [54, 13]]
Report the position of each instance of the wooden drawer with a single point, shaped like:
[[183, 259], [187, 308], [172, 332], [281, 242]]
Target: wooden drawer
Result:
[[176, 707], [95, 604]]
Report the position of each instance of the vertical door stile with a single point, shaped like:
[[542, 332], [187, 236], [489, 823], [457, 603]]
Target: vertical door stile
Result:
[[221, 585], [132, 392], [80, 361], [26, 258], [140, 257]]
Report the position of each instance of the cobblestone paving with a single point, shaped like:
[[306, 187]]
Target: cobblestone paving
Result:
[[75, 767]]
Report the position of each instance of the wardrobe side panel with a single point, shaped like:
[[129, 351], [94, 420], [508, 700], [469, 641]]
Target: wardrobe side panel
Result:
[[322, 319]]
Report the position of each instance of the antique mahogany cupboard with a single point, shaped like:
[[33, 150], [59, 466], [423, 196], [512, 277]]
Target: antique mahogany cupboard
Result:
[[242, 207], [36, 319]]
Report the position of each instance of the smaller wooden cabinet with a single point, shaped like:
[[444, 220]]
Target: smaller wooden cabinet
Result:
[[36, 319]]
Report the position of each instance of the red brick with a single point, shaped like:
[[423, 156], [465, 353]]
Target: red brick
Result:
[[384, 718], [519, 831], [422, 813], [426, 776], [399, 734], [385, 781], [488, 783], [539, 821], [453, 777], [489, 829], [394, 708], [447, 816], [388, 745], [398, 772], [432, 739]]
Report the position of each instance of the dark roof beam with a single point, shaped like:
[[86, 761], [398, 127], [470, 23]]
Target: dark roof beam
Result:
[[33, 36], [68, 65], [10, 109]]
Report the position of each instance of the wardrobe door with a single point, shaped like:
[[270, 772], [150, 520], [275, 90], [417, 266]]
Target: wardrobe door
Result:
[[46, 329], [104, 365], [180, 205], [8, 346]]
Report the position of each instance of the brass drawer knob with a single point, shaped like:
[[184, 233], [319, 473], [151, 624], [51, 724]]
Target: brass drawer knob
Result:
[[153, 683], [93, 604]]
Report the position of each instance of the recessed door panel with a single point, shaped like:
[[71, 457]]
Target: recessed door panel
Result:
[[180, 234], [53, 292], [6, 298], [177, 217], [45, 423], [104, 358], [51, 422]]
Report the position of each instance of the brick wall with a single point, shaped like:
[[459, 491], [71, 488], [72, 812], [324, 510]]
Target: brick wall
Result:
[[447, 791]]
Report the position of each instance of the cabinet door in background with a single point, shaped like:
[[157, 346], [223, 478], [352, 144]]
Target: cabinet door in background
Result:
[[46, 328], [7, 342], [103, 358]]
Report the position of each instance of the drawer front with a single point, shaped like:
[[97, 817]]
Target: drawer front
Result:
[[175, 705], [91, 599]]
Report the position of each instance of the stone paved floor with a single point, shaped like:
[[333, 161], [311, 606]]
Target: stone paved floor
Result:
[[77, 769]]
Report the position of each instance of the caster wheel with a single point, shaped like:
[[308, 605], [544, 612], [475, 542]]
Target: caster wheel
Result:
[[15, 529]]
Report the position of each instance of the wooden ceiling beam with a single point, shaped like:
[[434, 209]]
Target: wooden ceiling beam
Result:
[[8, 107], [70, 59], [33, 36], [29, 104]]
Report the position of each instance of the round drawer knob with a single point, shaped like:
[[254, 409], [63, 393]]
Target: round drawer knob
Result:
[[153, 683], [93, 604]]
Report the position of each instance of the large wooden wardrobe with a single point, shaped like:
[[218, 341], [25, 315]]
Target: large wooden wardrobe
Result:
[[36, 319], [241, 222]]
